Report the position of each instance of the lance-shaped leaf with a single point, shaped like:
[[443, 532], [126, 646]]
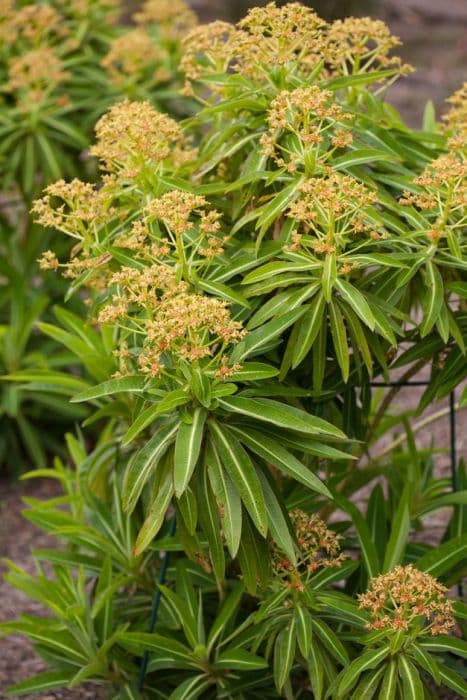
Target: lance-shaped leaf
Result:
[[329, 275], [228, 499], [40, 683], [113, 386], [261, 337], [310, 325], [280, 414], [284, 653], [157, 510], [275, 454], [432, 299], [239, 659], [446, 643], [192, 688], [357, 301], [188, 508], [166, 651], [242, 473], [368, 686], [350, 675], [187, 449], [210, 522], [339, 339], [144, 463], [304, 630], [277, 521], [330, 641], [444, 557], [399, 535], [412, 686]]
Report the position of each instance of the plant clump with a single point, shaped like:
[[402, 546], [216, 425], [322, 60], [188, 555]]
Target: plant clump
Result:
[[242, 286]]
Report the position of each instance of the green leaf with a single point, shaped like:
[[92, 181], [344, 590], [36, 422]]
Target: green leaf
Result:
[[444, 557], [454, 681], [367, 547], [253, 557], [357, 301], [329, 276], [277, 522], [254, 371], [304, 630], [221, 290], [261, 337], [432, 299], [167, 652], [426, 661], [445, 643], [46, 379], [187, 449], [281, 415], [227, 612], [360, 79], [400, 533], [412, 686], [40, 683], [277, 267], [188, 507], [113, 386], [184, 615], [240, 660], [242, 473], [361, 156], [316, 671], [192, 688], [339, 338], [370, 659], [368, 686], [310, 325], [143, 420], [273, 452], [389, 684], [284, 653], [228, 499], [271, 211], [330, 640], [157, 510], [330, 574], [144, 463], [175, 398], [210, 523]]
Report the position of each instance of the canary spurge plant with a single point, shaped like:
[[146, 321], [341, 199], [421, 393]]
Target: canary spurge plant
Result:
[[243, 277], [55, 58]]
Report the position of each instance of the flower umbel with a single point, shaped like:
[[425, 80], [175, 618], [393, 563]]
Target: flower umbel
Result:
[[318, 548], [133, 135], [410, 600]]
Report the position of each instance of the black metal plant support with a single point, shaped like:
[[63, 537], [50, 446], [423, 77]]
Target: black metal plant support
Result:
[[156, 602]]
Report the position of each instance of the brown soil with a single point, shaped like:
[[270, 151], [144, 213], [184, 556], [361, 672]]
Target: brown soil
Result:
[[18, 538]]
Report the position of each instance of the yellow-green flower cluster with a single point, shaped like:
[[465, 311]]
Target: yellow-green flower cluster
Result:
[[410, 600], [133, 135], [318, 548], [294, 36], [169, 318], [331, 210]]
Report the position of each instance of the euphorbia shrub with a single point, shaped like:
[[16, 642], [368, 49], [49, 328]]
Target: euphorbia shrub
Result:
[[246, 274], [62, 64]]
